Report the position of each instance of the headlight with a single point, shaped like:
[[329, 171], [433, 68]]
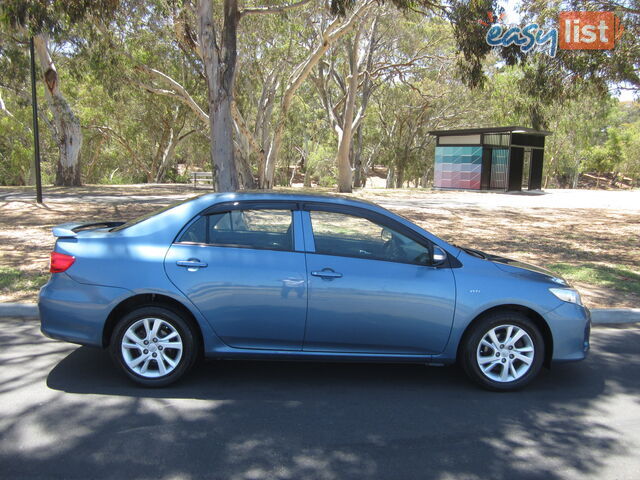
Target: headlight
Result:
[[567, 295]]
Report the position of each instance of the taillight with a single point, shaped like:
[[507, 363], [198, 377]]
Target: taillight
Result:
[[60, 262]]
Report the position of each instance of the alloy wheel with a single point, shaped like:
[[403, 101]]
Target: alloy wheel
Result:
[[505, 353], [151, 347]]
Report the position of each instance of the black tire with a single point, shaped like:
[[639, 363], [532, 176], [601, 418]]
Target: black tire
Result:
[[496, 360], [169, 322]]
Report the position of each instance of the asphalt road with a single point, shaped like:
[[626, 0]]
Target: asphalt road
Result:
[[65, 412]]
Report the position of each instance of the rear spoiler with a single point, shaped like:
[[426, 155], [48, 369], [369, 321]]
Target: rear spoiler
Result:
[[69, 230]]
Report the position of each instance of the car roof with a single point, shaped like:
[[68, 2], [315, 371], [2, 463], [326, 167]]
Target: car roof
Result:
[[250, 195]]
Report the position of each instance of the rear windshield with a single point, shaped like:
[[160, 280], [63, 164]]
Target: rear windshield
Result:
[[153, 213]]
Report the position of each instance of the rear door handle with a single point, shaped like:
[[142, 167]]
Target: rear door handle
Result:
[[326, 273], [191, 263]]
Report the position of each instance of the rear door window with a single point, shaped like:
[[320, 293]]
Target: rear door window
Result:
[[270, 229]]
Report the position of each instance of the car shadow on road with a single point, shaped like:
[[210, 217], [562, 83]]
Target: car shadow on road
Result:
[[241, 419]]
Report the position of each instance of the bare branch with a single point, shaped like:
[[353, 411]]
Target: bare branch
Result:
[[178, 91], [3, 108], [333, 32], [272, 8], [182, 137]]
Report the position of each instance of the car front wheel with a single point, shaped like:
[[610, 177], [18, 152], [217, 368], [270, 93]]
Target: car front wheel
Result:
[[154, 346], [503, 351]]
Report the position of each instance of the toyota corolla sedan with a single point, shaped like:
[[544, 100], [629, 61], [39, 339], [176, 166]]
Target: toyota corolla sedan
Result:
[[302, 277]]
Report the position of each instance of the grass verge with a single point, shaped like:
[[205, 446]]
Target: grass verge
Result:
[[615, 277], [12, 279]]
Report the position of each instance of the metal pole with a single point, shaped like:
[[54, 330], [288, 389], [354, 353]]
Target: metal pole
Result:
[[36, 133]]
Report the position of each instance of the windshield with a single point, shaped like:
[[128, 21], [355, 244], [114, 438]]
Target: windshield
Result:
[[153, 213]]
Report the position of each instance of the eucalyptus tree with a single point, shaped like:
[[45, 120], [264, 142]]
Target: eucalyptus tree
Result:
[[218, 48], [41, 20], [352, 79], [377, 55], [157, 120], [282, 81], [333, 31], [211, 37], [15, 130]]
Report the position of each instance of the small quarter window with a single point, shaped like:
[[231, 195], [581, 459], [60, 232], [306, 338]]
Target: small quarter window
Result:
[[196, 233]]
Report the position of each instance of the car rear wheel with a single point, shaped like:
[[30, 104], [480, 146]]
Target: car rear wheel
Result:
[[503, 351], [154, 346]]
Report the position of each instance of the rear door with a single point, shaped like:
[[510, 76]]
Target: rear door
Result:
[[371, 289], [243, 266]]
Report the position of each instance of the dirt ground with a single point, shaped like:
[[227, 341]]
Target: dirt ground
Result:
[[571, 227]]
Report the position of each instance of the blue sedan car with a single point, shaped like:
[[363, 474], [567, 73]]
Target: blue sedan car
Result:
[[302, 277]]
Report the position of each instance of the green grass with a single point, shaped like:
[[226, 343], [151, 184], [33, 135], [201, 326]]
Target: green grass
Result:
[[615, 277], [13, 280]]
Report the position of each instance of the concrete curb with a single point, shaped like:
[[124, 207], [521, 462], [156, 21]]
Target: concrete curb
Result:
[[606, 316], [599, 316]]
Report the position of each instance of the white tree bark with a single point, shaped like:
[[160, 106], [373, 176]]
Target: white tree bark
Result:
[[67, 126], [3, 108], [345, 133]]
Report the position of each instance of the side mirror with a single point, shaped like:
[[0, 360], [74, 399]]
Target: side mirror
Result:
[[439, 256]]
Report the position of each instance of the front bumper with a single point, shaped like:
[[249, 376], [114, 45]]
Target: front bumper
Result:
[[76, 312], [570, 326]]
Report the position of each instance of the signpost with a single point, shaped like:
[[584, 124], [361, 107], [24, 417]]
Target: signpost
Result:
[[36, 133]]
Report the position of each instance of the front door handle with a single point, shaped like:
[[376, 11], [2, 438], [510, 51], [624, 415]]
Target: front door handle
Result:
[[191, 263], [326, 273]]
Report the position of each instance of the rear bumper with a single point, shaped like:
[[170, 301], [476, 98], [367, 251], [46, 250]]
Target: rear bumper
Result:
[[570, 326], [76, 312]]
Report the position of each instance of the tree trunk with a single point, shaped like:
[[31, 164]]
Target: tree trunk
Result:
[[345, 173], [245, 174], [358, 168], [168, 154], [244, 142], [266, 174], [390, 177], [67, 126], [400, 176], [424, 181], [220, 66], [171, 138], [161, 152]]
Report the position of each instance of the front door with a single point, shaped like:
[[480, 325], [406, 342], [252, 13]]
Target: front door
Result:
[[241, 270], [371, 289]]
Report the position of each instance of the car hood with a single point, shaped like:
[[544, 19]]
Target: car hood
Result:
[[514, 266]]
